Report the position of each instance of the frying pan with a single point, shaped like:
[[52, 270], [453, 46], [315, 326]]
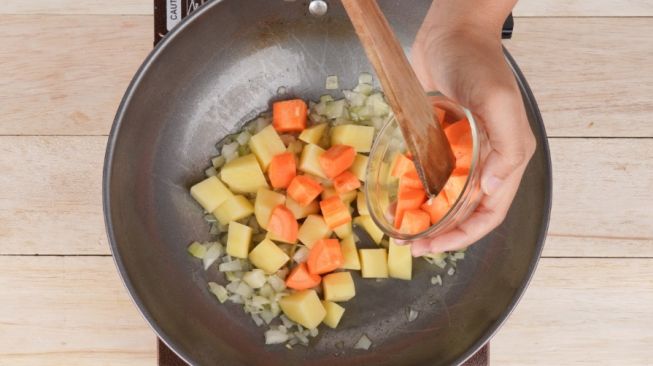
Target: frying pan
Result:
[[219, 68]]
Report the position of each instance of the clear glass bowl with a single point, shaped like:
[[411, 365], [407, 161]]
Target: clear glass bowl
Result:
[[381, 189]]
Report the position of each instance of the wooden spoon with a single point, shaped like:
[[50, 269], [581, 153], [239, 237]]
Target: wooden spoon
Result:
[[424, 136]]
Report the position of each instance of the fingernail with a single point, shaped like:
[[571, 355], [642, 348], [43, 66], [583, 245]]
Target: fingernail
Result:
[[491, 184]]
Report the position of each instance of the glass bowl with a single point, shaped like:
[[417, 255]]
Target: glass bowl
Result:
[[381, 189]]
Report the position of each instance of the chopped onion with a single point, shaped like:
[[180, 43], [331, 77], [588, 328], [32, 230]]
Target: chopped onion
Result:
[[412, 314], [267, 316], [210, 218], [233, 285], [212, 254], [275, 310], [364, 88], [436, 280], [273, 336], [331, 82], [363, 343], [266, 291], [313, 332], [277, 283], [219, 291], [229, 149], [236, 299], [218, 161], [301, 255], [336, 109], [232, 266], [197, 250], [211, 172], [244, 290], [259, 124], [259, 301], [354, 99], [286, 322], [459, 255], [365, 78], [303, 339], [243, 138], [233, 276], [257, 320], [451, 271], [255, 278]]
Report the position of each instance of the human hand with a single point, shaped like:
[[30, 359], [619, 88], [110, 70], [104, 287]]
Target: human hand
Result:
[[467, 65]]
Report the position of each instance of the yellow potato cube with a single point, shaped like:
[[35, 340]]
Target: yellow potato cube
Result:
[[334, 313], [265, 145], [350, 254], [343, 230], [268, 256], [210, 193], [400, 261], [266, 201], [313, 229], [359, 168], [356, 136], [338, 286], [243, 175], [239, 237], [300, 212], [312, 135], [374, 263], [309, 162], [234, 208], [361, 204], [303, 307], [368, 224]]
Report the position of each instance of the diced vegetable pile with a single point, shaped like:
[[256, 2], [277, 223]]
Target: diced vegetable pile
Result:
[[282, 198]]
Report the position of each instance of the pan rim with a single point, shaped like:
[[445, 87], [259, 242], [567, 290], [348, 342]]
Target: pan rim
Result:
[[120, 265]]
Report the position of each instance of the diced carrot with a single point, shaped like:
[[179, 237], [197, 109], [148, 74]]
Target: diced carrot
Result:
[[415, 221], [289, 115], [325, 256], [408, 199], [436, 207], [304, 190], [283, 225], [346, 182], [459, 135], [454, 187], [282, 170], [335, 212], [410, 180], [402, 165], [337, 159], [301, 279]]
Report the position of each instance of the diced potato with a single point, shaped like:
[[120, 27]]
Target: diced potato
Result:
[[313, 229], [359, 168], [244, 175], [334, 313], [210, 193], [374, 263], [343, 230], [312, 135], [338, 286], [265, 145], [266, 201], [368, 224], [309, 162], [361, 204], [239, 237], [268, 256], [233, 209], [303, 307], [350, 254], [359, 137], [400, 261], [300, 212]]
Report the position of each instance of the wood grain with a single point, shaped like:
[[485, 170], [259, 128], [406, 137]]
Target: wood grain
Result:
[[524, 8], [66, 74], [64, 310], [582, 312], [586, 78], [69, 311], [591, 76], [50, 202]]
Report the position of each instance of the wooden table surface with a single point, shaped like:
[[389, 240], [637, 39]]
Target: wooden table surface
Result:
[[64, 65]]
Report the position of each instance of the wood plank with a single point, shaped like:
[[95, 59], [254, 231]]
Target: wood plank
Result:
[[585, 77], [589, 75], [524, 8], [66, 74], [582, 312], [571, 314], [583, 8], [134, 7], [602, 196], [69, 310]]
